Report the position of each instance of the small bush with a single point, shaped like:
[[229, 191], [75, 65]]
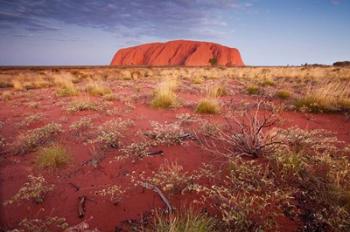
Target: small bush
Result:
[[40, 136], [35, 189], [282, 94], [208, 106], [53, 157]]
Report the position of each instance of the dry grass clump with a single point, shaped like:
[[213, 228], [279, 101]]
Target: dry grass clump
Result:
[[83, 106], [35, 189], [282, 94], [52, 157], [36, 137], [329, 97], [65, 85], [253, 90], [97, 89], [164, 95], [188, 221], [113, 192], [208, 106]]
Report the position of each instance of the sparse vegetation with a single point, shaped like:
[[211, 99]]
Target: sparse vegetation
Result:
[[185, 220], [53, 157], [97, 89], [113, 192], [35, 189], [36, 137], [83, 106], [253, 90], [283, 94], [110, 132], [27, 121], [167, 133], [81, 126], [164, 95], [330, 97], [41, 225], [208, 106]]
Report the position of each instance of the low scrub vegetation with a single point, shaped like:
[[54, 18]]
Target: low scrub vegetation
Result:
[[253, 90], [83, 106], [330, 97], [283, 94], [35, 189], [186, 220], [208, 106], [97, 89], [164, 95], [52, 157], [36, 137]]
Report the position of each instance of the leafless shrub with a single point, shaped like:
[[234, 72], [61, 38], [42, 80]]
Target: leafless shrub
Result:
[[246, 135]]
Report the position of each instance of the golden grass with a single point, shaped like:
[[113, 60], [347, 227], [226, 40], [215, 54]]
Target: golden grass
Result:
[[328, 97], [65, 86], [97, 89], [208, 106], [253, 90], [282, 94], [52, 157], [164, 95], [185, 220]]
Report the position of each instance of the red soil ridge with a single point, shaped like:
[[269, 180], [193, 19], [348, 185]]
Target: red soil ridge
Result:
[[178, 52]]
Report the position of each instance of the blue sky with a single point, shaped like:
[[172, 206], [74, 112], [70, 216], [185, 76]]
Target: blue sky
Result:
[[88, 32]]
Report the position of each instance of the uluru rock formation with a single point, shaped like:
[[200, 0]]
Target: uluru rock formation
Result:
[[178, 52]]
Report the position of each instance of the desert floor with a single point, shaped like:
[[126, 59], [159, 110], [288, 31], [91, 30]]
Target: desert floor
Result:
[[235, 149]]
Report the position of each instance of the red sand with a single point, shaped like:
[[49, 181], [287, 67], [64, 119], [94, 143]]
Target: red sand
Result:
[[178, 52], [63, 200]]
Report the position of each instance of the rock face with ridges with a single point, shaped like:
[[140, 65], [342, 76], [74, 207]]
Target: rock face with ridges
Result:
[[178, 52]]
